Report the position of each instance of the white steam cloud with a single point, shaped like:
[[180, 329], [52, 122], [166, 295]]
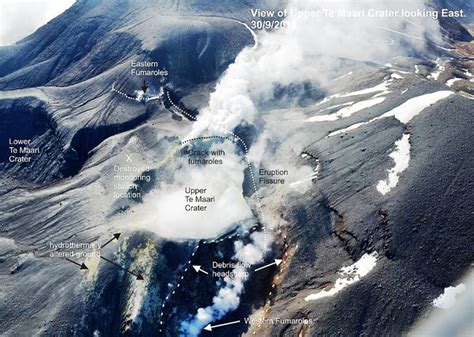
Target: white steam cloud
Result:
[[311, 50], [164, 213], [228, 297]]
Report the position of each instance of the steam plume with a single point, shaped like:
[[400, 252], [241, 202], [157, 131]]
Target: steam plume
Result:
[[228, 297]]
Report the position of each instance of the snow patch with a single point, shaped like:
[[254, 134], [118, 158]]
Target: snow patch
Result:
[[347, 111], [382, 87], [351, 275], [440, 68], [448, 298], [345, 75], [401, 156], [451, 81], [336, 106], [404, 112], [349, 128]]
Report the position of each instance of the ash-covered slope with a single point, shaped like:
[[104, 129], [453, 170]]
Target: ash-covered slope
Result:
[[93, 37], [420, 230], [68, 92], [74, 61]]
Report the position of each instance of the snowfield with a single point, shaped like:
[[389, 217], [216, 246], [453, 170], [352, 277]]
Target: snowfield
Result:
[[401, 156], [405, 112], [351, 275]]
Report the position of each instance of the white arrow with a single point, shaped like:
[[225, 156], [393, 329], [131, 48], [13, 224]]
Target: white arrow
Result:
[[209, 327], [198, 269], [276, 262]]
